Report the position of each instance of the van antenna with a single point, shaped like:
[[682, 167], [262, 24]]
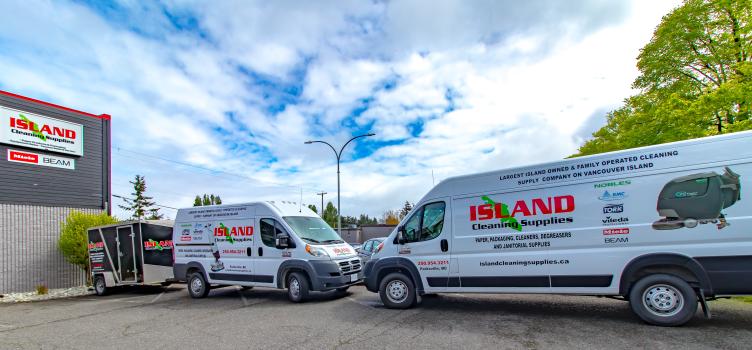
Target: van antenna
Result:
[[432, 178], [300, 208]]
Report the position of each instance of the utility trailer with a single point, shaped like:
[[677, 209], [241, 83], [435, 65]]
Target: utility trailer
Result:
[[131, 253]]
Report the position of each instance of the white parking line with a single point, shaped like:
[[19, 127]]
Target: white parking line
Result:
[[363, 303], [5, 326], [157, 298]]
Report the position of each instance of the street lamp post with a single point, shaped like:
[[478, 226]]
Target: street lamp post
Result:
[[339, 156]]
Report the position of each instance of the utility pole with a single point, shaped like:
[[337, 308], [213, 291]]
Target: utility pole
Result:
[[322, 193]]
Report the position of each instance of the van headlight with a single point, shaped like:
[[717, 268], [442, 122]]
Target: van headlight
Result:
[[315, 251]]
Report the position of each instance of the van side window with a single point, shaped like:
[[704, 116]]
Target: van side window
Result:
[[433, 221], [269, 230], [426, 223], [412, 226]]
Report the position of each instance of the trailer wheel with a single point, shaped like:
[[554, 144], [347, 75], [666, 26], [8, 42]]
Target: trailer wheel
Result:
[[397, 291], [663, 300], [100, 287], [197, 286], [297, 287]]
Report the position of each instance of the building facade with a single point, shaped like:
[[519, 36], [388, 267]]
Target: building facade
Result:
[[53, 160]]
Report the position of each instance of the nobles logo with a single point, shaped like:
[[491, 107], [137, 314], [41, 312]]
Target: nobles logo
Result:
[[613, 184]]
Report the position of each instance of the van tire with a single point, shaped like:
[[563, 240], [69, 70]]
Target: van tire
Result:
[[297, 287], [397, 291], [197, 286], [100, 287], [663, 300]]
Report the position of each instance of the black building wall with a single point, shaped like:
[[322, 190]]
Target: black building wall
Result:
[[88, 186]]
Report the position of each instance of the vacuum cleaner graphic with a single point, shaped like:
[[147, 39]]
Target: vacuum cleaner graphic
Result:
[[697, 198]]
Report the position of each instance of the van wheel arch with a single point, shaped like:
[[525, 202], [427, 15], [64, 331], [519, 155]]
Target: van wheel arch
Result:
[[282, 282], [400, 265], [681, 266]]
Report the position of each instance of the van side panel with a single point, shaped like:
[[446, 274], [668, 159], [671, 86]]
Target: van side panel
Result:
[[579, 233]]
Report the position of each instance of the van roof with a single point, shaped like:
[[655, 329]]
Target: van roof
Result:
[[279, 208], [458, 185]]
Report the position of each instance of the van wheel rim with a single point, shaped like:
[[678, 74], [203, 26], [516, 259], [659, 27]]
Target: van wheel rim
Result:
[[294, 287], [663, 300], [396, 291], [196, 286]]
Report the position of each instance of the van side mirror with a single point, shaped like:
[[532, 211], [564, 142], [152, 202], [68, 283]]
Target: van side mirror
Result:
[[401, 235], [282, 241]]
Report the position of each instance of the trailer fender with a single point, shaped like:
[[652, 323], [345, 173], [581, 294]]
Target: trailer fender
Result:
[[666, 261]]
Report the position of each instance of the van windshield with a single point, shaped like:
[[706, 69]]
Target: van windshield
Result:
[[313, 230]]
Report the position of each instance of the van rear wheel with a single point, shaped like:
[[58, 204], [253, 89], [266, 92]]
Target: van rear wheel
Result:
[[397, 291], [663, 300], [197, 286]]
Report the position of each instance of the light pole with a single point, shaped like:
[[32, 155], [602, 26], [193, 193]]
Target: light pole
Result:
[[338, 155]]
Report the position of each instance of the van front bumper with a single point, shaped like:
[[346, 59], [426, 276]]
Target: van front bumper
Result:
[[328, 275]]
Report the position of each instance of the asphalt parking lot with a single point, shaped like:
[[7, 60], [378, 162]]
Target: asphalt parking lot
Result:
[[230, 318]]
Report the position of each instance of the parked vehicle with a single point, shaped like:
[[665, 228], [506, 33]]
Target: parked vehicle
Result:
[[356, 246], [368, 247], [634, 224], [264, 244], [130, 253]]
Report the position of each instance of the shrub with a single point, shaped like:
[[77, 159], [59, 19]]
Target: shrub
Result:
[[74, 238], [42, 289]]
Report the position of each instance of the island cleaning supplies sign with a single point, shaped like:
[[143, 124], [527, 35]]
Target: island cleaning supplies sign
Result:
[[25, 129]]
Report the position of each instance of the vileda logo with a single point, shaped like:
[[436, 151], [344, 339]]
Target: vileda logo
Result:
[[613, 184], [616, 231], [615, 221], [612, 196], [613, 208]]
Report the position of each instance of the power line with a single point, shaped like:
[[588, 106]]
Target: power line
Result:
[[155, 204], [270, 184]]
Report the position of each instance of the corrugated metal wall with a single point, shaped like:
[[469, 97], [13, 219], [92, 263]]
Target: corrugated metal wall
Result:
[[29, 255]]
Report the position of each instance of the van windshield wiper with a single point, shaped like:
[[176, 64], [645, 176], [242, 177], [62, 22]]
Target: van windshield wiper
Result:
[[333, 241], [310, 239]]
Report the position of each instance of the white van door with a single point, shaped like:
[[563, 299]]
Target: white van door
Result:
[[267, 256], [232, 242], [427, 234]]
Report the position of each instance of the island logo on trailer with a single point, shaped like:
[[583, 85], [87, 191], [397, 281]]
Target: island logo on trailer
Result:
[[35, 131]]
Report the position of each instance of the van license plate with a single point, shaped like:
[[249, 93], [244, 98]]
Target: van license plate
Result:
[[353, 277]]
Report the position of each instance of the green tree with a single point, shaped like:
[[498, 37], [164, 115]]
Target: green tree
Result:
[[313, 208], [74, 239], [206, 199], [694, 79], [141, 204], [330, 215], [405, 210], [364, 219]]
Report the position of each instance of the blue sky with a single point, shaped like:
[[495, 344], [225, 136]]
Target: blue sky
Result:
[[218, 97]]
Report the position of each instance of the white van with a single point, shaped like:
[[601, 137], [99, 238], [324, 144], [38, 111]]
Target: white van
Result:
[[264, 244], [661, 226]]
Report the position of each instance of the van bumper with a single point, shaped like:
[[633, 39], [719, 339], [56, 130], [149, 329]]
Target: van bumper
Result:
[[370, 277], [328, 276]]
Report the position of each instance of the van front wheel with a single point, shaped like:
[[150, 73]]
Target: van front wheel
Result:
[[297, 287], [397, 291], [197, 286], [663, 300]]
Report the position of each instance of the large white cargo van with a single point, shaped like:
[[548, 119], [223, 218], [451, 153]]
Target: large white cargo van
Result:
[[264, 244], [663, 227]]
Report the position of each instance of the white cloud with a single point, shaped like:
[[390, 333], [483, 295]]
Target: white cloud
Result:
[[449, 87]]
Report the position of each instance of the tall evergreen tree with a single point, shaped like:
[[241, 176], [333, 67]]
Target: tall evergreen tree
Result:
[[141, 204]]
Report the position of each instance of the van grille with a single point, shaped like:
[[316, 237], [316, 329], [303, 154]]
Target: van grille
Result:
[[350, 266]]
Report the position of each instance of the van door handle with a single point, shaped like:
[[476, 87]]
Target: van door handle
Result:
[[444, 245], [249, 251], [261, 251]]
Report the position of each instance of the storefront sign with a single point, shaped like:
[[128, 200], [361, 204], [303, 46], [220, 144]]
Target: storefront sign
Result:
[[25, 129], [41, 159]]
